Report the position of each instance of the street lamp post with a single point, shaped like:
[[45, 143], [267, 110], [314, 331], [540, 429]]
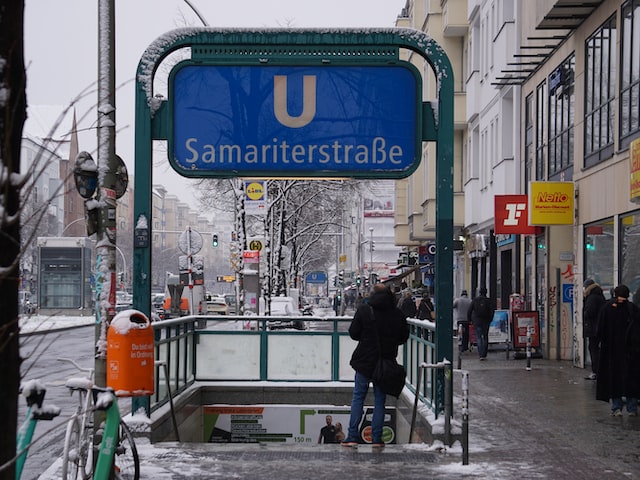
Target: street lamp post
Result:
[[371, 256]]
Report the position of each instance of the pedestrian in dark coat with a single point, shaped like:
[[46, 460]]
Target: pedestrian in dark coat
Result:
[[593, 301], [619, 336], [379, 327], [480, 313], [408, 305], [426, 307]]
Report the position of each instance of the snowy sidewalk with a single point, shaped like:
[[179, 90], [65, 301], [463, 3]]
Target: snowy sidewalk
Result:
[[46, 323]]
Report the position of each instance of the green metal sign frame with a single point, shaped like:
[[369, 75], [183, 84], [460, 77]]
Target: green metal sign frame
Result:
[[291, 47]]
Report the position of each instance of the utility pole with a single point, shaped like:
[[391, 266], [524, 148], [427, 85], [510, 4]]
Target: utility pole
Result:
[[106, 194]]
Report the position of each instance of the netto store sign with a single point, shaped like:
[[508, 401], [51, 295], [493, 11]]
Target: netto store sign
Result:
[[357, 121], [551, 203]]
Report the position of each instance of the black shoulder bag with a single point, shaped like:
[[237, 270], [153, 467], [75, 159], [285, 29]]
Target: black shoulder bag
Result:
[[388, 375]]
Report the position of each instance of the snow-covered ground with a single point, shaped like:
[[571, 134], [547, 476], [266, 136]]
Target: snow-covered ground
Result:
[[42, 323]]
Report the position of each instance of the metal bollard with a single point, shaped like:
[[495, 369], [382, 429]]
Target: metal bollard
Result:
[[465, 417], [460, 333], [448, 398], [529, 328]]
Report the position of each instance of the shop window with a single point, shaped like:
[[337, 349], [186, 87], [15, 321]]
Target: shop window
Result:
[[630, 253], [599, 254]]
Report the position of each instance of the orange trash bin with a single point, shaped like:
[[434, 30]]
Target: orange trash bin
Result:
[[130, 354]]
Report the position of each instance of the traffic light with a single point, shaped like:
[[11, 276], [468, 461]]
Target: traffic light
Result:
[[215, 240], [341, 277], [358, 281], [590, 246], [373, 245]]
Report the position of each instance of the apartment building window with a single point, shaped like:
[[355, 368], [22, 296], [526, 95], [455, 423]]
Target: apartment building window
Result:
[[600, 75], [630, 252], [598, 253], [630, 76], [541, 96], [561, 118], [528, 141]]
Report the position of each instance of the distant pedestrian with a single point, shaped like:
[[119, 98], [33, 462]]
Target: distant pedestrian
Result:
[[379, 327], [481, 313], [619, 369], [359, 300], [426, 310], [593, 301], [461, 307], [408, 305]]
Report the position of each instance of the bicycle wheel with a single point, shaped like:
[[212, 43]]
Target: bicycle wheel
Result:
[[126, 463], [77, 453], [71, 451]]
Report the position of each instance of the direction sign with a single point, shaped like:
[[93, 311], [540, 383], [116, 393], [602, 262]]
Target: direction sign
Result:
[[235, 120], [316, 277]]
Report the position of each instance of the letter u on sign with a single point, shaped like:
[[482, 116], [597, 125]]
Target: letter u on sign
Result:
[[308, 101]]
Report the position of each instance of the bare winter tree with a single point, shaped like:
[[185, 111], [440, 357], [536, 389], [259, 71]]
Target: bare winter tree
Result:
[[12, 117]]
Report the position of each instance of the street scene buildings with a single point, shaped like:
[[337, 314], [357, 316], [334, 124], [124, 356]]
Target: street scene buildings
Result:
[[545, 170]]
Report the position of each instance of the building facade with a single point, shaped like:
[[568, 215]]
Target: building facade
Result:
[[552, 101]]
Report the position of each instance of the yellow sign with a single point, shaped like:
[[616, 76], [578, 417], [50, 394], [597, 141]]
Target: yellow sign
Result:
[[255, 190], [551, 203], [634, 171], [255, 245]]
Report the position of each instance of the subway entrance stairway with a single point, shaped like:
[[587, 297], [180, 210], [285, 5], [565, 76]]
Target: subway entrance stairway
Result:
[[538, 424]]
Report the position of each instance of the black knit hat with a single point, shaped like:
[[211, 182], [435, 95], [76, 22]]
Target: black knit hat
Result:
[[621, 291], [587, 282]]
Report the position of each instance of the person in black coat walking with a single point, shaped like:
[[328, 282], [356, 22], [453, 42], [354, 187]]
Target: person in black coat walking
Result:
[[379, 327], [593, 302], [619, 336], [480, 313], [408, 305]]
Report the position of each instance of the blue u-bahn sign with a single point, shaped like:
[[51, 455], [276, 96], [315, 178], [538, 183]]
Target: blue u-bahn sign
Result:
[[356, 121], [316, 277]]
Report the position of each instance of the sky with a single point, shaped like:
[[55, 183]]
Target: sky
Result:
[[61, 45]]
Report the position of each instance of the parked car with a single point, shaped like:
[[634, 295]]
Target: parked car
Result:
[[217, 306], [285, 307]]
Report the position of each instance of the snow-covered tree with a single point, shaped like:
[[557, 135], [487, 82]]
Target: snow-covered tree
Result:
[[12, 117]]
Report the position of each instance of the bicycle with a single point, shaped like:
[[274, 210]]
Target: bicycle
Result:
[[34, 393], [78, 453], [118, 453]]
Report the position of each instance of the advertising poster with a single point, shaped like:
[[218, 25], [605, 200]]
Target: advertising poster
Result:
[[287, 424], [499, 327], [379, 200], [523, 323]]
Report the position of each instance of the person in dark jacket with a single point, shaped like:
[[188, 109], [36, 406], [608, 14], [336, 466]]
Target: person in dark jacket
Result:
[[593, 301], [619, 336], [379, 327], [408, 305], [480, 313], [425, 307]]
